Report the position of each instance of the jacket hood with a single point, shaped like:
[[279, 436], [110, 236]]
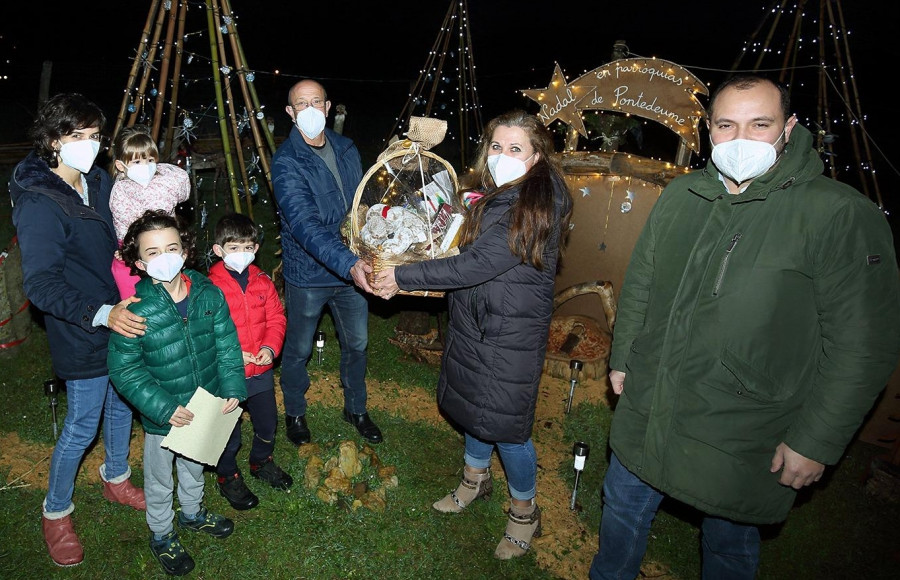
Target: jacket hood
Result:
[[33, 174]]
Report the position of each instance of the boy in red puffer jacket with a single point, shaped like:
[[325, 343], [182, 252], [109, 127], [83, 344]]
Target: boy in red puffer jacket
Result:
[[259, 317]]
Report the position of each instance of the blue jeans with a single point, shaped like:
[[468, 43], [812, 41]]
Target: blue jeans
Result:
[[730, 550], [519, 462], [87, 400], [351, 319]]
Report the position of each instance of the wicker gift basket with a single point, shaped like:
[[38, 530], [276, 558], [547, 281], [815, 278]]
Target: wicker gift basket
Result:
[[406, 208]]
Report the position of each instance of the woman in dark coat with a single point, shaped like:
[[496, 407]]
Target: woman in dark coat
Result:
[[65, 230], [500, 301]]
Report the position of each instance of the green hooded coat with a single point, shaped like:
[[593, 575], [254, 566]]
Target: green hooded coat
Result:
[[749, 320], [160, 370]]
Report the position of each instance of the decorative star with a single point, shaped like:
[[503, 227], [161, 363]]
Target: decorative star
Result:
[[585, 191], [558, 101]]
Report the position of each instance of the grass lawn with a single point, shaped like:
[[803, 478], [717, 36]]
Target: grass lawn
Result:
[[836, 531]]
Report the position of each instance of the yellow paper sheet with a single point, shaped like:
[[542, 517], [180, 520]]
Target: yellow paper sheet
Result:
[[205, 438]]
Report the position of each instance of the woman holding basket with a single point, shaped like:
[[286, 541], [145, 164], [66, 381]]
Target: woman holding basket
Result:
[[500, 300]]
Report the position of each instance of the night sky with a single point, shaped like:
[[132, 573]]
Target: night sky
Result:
[[369, 53]]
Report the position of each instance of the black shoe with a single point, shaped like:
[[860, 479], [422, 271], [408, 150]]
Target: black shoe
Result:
[[297, 431], [233, 488], [207, 522], [364, 425], [171, 554], [271, 474]]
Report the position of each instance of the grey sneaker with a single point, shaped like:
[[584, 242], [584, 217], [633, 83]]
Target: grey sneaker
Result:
[[207, 522], [171, 554]]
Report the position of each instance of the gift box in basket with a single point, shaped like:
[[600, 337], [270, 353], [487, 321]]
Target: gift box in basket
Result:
[[406, 208]]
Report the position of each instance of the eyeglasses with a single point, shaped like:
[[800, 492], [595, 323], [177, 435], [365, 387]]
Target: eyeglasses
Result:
[[317, 103]]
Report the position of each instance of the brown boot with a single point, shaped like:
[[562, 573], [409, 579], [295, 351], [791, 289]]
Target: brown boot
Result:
[[473, 485], [125, 493], [62, 543], [523, 525]]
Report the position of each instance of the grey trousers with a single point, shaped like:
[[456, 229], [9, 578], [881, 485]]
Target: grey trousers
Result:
[[159, 484]]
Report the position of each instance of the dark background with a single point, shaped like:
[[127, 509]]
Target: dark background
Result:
[[369, 54]]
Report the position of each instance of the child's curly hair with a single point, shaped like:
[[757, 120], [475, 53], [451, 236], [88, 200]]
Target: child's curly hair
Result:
[[154, 219]]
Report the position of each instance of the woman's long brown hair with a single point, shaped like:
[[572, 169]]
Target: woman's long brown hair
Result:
[[533, 217]]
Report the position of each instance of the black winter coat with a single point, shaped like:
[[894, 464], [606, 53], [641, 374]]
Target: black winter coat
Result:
[[500, 311], [67, 252]]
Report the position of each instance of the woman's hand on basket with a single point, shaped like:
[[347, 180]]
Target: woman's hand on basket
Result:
[[385, 284], [358, 272]]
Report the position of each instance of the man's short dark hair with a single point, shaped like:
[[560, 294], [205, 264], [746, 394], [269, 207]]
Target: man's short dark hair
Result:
[[236, 227], [742, 82]]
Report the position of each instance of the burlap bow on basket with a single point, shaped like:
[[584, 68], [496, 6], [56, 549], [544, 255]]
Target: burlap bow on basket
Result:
[[406, 207]]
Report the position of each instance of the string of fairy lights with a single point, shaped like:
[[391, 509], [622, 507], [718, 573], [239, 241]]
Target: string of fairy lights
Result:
[[446, 88]]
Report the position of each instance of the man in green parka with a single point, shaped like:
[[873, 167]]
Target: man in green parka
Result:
[[758, 322]]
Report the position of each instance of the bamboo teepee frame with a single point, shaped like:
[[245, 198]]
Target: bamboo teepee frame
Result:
[[470, 125], [833, 43], [170, 16]]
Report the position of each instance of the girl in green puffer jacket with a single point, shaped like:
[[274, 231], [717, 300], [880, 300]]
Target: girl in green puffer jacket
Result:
[[190, 343]]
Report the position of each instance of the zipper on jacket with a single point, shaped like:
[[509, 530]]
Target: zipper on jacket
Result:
[[724, 265], [473, 308]]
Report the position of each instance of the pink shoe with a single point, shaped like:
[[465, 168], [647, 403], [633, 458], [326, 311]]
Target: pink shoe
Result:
[[125, 493], [62, 543]]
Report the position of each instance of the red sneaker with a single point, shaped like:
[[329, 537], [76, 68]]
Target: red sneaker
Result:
[[62, 543], [125, 493]]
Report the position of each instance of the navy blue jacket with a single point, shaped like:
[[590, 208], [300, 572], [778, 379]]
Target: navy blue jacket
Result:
[[312, 207], [67, 251]]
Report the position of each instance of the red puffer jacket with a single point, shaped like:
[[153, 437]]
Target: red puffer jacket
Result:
[[257, 313]]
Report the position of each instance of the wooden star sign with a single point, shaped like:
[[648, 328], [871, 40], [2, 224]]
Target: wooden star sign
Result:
[[558, 100]]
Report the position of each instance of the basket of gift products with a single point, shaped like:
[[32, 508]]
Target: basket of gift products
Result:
[[406, 207]]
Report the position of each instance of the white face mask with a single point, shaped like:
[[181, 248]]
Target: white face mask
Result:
[[311, 121], [238, 261], [164, 267], [80, 154], [504, 168], [142, 173], [744, 159]]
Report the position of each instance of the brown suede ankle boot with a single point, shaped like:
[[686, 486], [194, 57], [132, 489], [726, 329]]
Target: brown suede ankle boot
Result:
[[473, 485], [523, 525]]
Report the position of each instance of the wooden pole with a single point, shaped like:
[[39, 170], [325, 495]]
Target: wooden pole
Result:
[[167, 152], [163, 76], [212, 18], [241, 65], [132, 77], [151, 54], [857, 117], [236, 134], [254, 98]]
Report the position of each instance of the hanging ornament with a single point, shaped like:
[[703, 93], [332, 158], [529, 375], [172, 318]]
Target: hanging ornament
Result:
[[168, 5], [250, 77], [204, 214], [131, 108], [153, 92], [187, 126], [254, 186], [260, 115], [627, 205], [190, 58], [253, 166], [223, 29], [226, 70]]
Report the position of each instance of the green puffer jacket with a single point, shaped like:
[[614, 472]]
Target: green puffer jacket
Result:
[[750, 320], [162, 369]]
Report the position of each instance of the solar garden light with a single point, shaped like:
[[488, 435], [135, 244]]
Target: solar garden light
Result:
[[320, 346], [575, 366], [51, 389], [580, 450]]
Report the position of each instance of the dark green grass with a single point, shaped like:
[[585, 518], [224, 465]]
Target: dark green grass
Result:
[[290, 534]]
